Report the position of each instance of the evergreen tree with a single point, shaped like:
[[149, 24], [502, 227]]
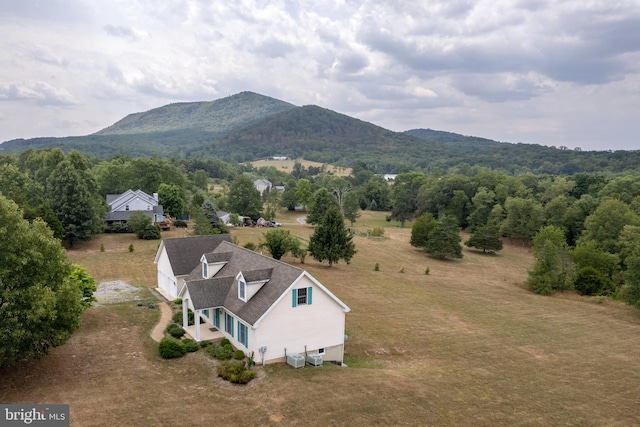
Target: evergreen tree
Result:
[[486, 238], [320, 203], [73, 196], [331, 240], [444, 241], [137, 223], [211, 213]]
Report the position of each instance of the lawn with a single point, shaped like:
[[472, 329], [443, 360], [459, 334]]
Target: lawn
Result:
[[466, 344]]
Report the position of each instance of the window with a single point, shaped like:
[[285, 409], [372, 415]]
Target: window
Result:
[[205, 270], [205, 313], [242, 294], [216, 318], [321, 351], [243, 334], [301, 296], [126, 208], [228, 324]]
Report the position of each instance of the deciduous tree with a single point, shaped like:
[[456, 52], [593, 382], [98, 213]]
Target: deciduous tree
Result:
[[40, 304]]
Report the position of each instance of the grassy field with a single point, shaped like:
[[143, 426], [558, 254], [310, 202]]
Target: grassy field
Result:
[[466, 345], [287, 166]]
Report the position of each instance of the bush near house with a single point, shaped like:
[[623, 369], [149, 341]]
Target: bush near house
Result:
[[219, 352], [190, 345], [171, 348], [235, 372], [238, 355], [175, 330]]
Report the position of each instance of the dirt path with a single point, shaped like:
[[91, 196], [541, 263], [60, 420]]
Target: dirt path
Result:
[[157, 333]]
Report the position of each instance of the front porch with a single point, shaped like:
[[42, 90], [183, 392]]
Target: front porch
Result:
[[207, 332]]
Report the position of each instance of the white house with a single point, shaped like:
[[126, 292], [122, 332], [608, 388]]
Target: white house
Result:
[[121, 206], [263, 306], [262, 185], [176, 258]]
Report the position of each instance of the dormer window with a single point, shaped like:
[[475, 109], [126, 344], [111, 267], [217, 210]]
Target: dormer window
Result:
[[205, 269], [242, 290]]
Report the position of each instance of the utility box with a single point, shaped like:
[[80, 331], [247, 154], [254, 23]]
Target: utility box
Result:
[[296, 360], [314, 359]]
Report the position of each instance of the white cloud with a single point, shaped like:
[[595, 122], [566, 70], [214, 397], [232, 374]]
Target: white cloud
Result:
[[544, 71]]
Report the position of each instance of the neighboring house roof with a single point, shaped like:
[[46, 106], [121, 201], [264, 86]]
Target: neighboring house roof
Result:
[[185, 253], [254, 267], [116, 201]]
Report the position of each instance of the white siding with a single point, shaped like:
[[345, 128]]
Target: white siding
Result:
[[135, 204], [319, 325], [166, 280]]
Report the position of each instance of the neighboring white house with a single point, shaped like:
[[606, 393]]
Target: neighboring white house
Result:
[[263, 306], [121, 206], [176, 258], [262, 185]]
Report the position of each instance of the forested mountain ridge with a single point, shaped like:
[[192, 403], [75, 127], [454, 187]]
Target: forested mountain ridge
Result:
[[249, 126], [216, 117]]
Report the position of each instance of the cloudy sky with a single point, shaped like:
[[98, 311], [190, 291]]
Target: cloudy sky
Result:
[[552, 72]]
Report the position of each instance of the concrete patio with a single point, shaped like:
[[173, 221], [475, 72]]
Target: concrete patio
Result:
[[206, 334]]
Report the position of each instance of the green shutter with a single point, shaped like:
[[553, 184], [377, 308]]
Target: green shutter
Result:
[[309, 295], [294, 300]]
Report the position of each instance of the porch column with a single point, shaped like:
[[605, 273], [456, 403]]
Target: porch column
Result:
[[185, 314], [196, 324]]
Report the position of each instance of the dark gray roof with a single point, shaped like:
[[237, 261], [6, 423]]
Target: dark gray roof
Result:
[[257, 275], [185, 253], [218, 257], [207, 293], [254, 267]]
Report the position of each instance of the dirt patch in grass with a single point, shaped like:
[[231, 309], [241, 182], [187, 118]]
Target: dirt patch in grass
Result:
[[466, 345]]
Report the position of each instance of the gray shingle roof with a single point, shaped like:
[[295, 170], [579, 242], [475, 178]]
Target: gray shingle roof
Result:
[[253, 266], [185, 253], [207, 293]]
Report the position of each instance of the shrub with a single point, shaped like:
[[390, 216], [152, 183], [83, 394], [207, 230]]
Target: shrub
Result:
[[376, 232], [101, 247], [427, 271], [175, 331], [151, 305], [238, 355], [205, 344], [177, 317], [224, 341], [376, 267], [131, 247], [249, 245], [228, 347], [401, 269], [218, 352], [177, 301], [171, 348], [235, 372], [190, 345], [151, 232], [590, 281], [180, 223]]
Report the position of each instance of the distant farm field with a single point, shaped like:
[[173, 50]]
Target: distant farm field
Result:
[[465, 345], [287, 166]]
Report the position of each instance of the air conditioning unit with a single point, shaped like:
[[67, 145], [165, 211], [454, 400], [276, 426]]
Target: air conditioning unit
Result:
[[314, 359], [296, 360]]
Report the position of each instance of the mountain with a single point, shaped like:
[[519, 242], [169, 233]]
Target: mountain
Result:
[[249, 126], [215, 117]]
